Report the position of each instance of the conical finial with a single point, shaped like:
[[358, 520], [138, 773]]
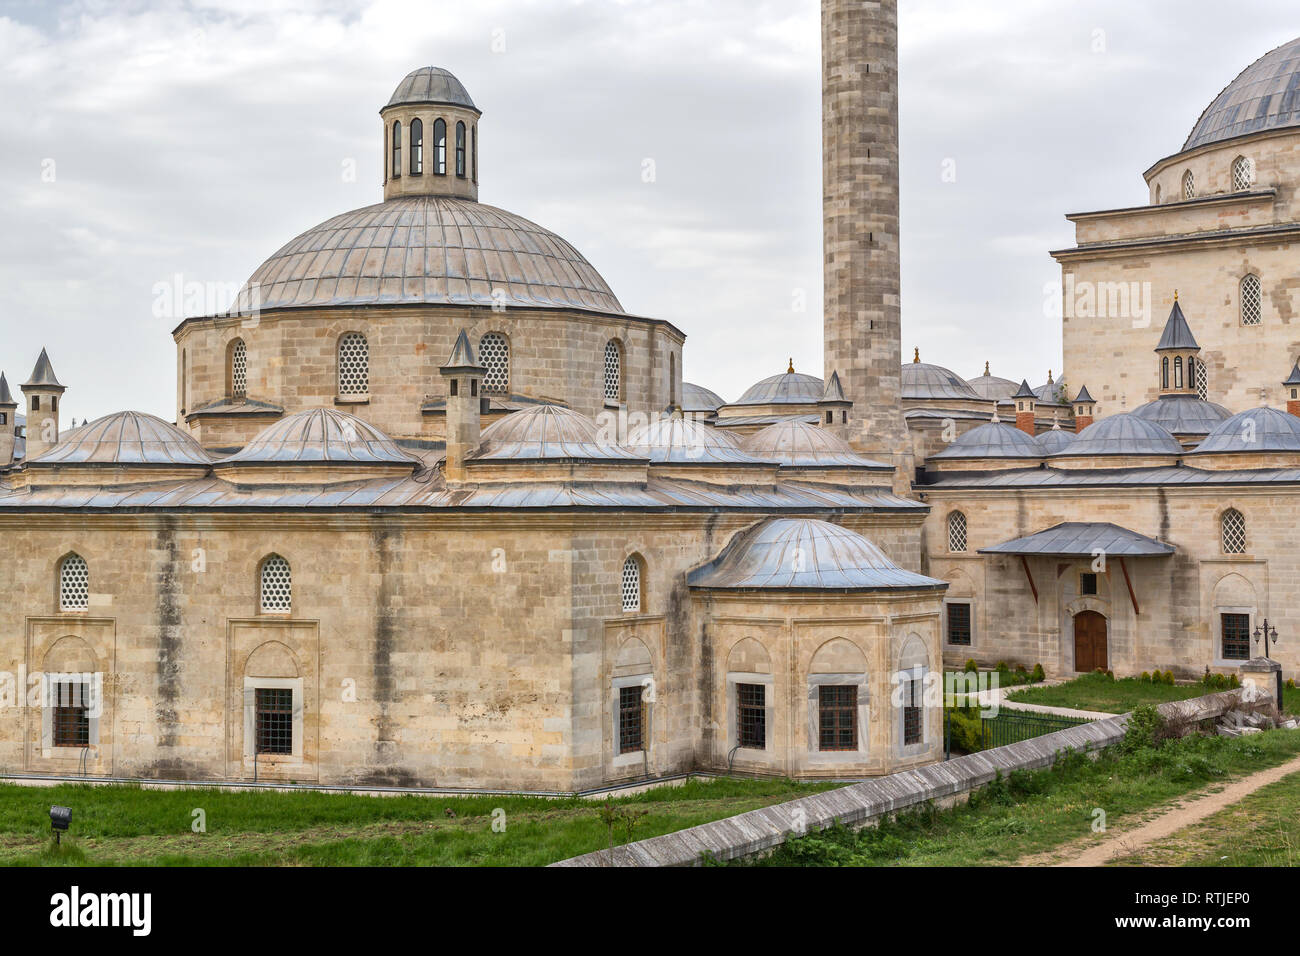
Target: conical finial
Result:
[[790, 370], [916, 356], [986, 369], [995, 420], [1175, 295], [1049, 377]]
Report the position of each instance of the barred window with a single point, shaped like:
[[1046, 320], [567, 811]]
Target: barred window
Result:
[[1189, 185], [71, 716], [397, 150], [957, 532], [354, 364], [440, 147], [630, 719], [751, 716], [416, 164], [1202, 382], [959, 624], [74, 584], [613, 372], [460, 150], [632, 584], [277, 585], [494, 353], [274, 713], [1236, 636], [238, 369], [1233, 524], [837, 714], [1252, 300], [913, 721], [1243, 174]]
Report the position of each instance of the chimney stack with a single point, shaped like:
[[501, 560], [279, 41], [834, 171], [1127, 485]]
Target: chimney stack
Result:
[[1026, 409], [43, 393], [464, 378], [8, 423], [1084, 407], [1292, 385]]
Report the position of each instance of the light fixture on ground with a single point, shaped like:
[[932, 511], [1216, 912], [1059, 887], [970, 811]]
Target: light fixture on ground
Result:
[[60, 817]]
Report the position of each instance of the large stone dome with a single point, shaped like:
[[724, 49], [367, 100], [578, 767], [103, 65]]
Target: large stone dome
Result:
[[1266, 95], [429, 250]]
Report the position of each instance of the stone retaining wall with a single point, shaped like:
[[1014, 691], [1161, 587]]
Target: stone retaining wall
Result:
[[862, 804]]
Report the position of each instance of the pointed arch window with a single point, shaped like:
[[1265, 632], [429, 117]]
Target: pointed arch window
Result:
[[276, 585], [494, 353], [632, 602], [397, 149], [238, 369], [354, 365], [460, 150], [417, 148], [1164, 372], [74, 584], [1252, 300], [1189, 185], [957, 532], [440, 147], [1232, 528]]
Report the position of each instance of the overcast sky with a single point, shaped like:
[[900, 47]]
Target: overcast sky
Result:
[[144, 141]]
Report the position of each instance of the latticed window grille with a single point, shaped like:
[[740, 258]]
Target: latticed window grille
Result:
[[957, 532], [1234, 532], [959, 624], [277, 585], [1236, 636], [613, 372], [629, 719], [751, 716], [1252, 300], [74, 584], [631, 585], [837, 712], [354, 364], [239, 369], [1189, 185], [494, 354], [274, 720], [913, 721], [71, 717], [1243, 174], [1202, 382]]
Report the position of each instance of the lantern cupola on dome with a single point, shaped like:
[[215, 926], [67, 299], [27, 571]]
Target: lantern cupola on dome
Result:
[[430, 137]]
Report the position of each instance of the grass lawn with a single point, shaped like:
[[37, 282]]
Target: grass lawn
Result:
[[1262, 830], [1099, 692], [125, 825], [1032, 812]]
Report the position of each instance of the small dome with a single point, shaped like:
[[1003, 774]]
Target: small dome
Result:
[[548, 432], [434, 85], [697, 398], [1124, 434], [993, 440], [926, 382], [1053, 393], [1263, 96], [320, 435], [1058, 439], [801, 445], [683, 441], [126, 438], [805, 554], [992, 388], [1258, 429], [427, 250], [788, 388], [1183, 414]]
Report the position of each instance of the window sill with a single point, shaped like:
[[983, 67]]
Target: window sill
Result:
[[351, 399]]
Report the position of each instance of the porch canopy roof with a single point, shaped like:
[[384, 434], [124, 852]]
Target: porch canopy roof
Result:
[[1084, 539]]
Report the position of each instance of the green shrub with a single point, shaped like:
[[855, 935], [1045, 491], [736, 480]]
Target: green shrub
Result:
[[971, 667], [1039, 674], [1234, 680], [1145, 677], [1144, 729], [1168, 678]]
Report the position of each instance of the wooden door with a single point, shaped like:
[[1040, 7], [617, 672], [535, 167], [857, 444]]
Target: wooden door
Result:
[[1090, 651]]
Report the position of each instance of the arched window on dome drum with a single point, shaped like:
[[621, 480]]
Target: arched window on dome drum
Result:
[[74, 584], [1233, 530], [1243, 174], [460, 150], [1252, 300], [1178, 372], [354, 365], [276, 586], [440, 147], [417, 148], [957, 532], [494, 353], [1164, 372], [237, 374], [1202, 382], [613, 372], [1189, 185], [473, 152], [632, 602], [397, 149]]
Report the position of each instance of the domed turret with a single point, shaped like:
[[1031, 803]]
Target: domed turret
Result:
[[430, 137]]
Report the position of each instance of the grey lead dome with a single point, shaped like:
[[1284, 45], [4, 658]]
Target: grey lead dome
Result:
[[1266, 95], [431, 84]]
